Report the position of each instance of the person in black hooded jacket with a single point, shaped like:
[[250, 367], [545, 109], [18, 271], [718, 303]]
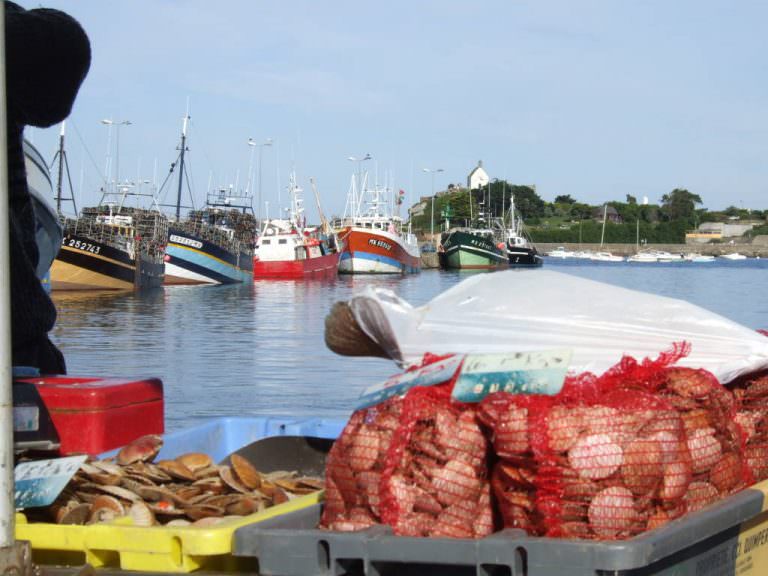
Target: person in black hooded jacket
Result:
[[48, 55]]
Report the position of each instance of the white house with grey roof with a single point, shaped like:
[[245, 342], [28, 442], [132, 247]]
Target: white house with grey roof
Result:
[[478, 177]]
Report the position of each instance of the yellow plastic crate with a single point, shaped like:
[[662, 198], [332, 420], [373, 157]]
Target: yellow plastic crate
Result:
[[119, 544]]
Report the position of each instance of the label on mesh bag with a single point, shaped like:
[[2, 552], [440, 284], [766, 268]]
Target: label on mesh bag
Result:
[[540, 372], [435, 373]]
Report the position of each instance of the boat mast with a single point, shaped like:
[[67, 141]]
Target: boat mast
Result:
[[605, 214], [61, 154], [181, 165]]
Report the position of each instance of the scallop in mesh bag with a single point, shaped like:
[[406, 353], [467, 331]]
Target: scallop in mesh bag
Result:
[[354, 467], [435, 480]]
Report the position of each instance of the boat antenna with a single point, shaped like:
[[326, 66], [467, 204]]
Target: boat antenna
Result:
[[183, 149], [61, 154]]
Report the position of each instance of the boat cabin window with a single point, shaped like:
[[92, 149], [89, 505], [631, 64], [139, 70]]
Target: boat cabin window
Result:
[[266, 241], [282, 241]]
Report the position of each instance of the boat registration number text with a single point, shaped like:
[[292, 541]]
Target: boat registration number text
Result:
[[185, 241], [81, 245], [380, 243]]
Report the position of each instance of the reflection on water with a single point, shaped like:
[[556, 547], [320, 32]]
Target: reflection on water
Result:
[[259, 348]]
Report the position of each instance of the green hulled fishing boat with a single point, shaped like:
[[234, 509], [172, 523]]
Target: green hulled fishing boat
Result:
[[474, 249]]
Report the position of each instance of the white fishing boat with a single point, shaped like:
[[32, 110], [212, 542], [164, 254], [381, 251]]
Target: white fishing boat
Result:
[[643, 257], [375, 240], [695, 257], [560, 252], [734, 256], [606, 257]]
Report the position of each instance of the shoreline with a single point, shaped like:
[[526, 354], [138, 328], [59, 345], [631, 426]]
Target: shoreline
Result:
[[750, 250]]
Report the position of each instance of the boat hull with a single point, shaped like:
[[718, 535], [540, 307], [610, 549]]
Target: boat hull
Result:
[[191, 259], [86, 264], [463, 250], [325, 266], [523, 257], [368, 251]]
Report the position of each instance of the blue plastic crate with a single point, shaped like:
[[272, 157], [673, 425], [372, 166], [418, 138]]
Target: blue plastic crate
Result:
[[220, 437]]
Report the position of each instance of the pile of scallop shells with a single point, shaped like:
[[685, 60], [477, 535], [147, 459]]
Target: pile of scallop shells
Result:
[[188, 490]]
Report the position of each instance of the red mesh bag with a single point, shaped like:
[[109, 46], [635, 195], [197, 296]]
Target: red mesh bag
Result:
[[612, 456], [751, 395], [612, 468], [512, 421], [354, 466], [356, 461], [435, 479]]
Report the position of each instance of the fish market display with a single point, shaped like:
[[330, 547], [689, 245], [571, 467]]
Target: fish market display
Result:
[[188, 490]]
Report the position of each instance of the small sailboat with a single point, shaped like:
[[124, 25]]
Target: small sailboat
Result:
[[289, 249], [601, 255]]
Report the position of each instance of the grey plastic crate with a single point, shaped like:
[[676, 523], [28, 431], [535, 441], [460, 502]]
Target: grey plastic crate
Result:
[[725, 539]]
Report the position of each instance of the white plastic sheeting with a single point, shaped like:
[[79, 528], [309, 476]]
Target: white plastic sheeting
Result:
[[517, 311]]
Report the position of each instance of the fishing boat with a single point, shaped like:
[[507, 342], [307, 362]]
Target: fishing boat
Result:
[[111, 246], [472, 249], [520, 252], [374, 240], [288, 248], [480, 246], [733, 256], [213, 245]]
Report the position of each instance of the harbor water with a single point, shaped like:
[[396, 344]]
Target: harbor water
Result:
[[258, 348]]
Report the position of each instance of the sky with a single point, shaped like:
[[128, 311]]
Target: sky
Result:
[[594, 99]]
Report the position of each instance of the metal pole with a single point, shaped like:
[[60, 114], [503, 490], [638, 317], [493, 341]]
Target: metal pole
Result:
[[432, 216], [7, 508], [181, 166], [61, 168]]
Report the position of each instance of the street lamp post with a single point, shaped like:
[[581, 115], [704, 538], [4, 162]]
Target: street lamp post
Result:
[[116, 123], [252, 142], [432, 171]]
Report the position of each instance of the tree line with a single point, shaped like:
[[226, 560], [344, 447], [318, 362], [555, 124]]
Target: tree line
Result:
[[566, 220]]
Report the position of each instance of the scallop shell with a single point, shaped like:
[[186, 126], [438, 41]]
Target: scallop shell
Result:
[[141, 514], [243, 507], [197, 511], [612, 511], [176, 469], [106, 502], [595, 456], [195, 461], [225, 472], [142, 449], [700, 495], [77, 514], [642, 468], [115, 491], [705, 449], [248, 475]]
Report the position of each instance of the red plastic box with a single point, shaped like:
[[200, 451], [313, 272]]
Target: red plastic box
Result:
[[93, 415]]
